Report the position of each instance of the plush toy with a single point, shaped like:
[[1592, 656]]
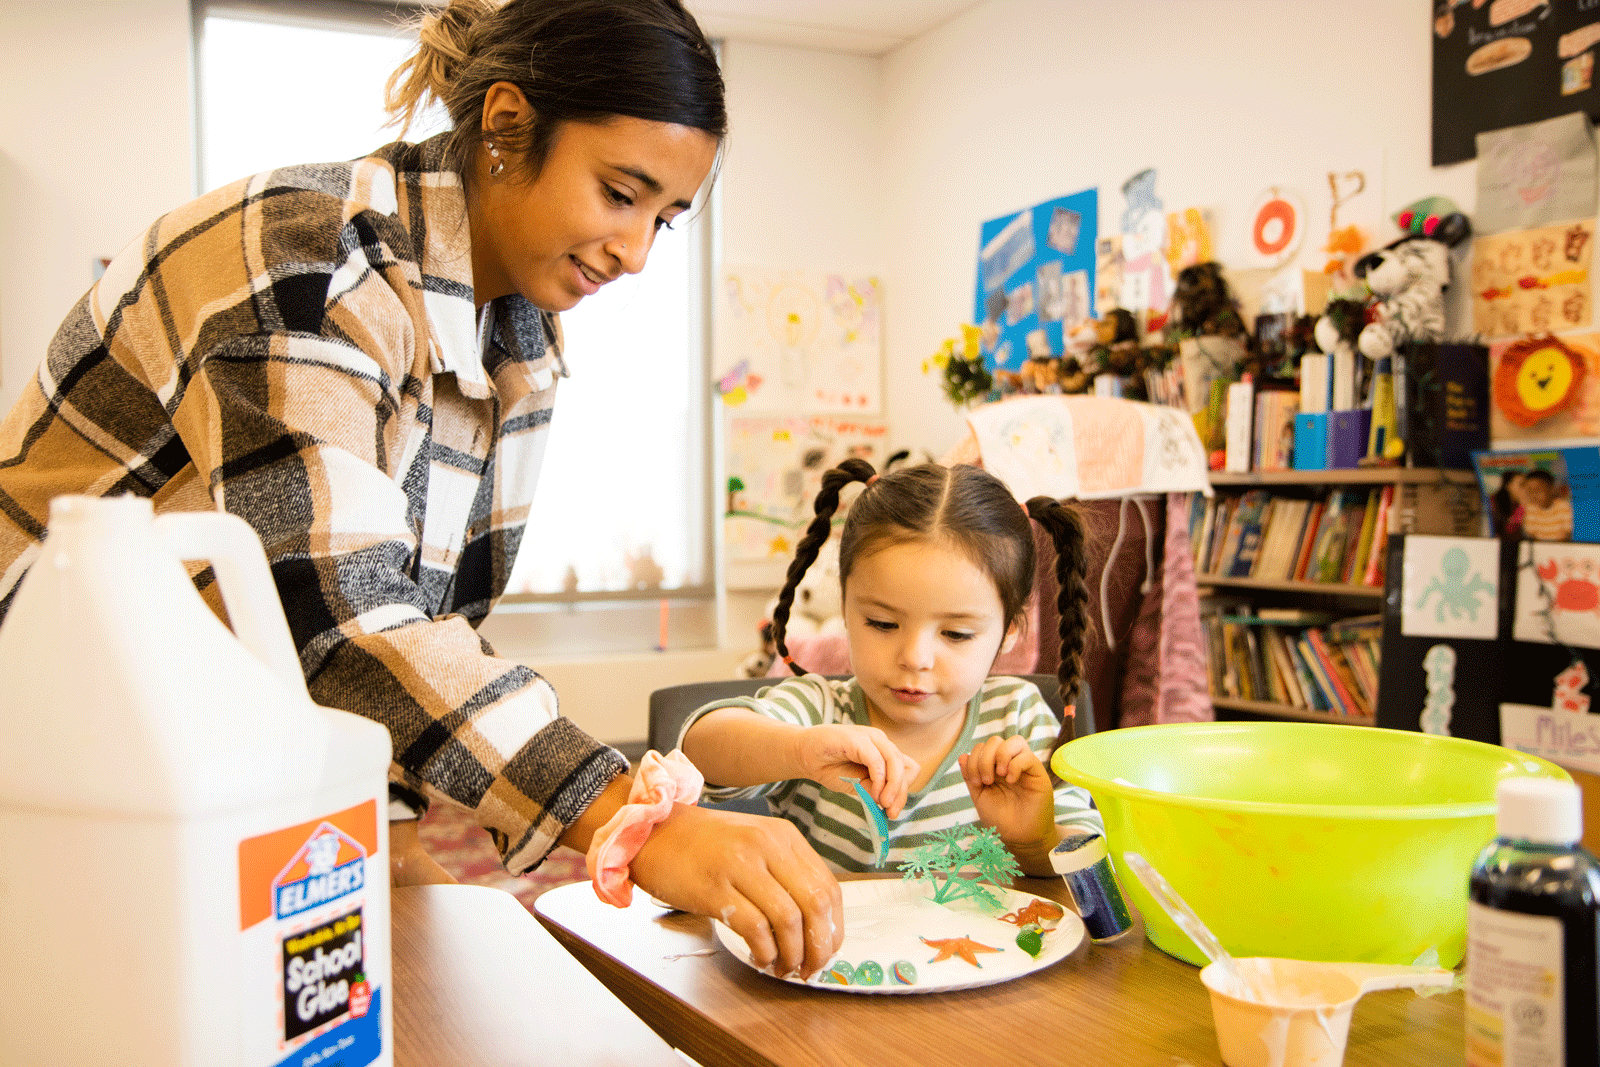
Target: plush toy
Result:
[[1041, 375], [1074, 379], [1203, 305], [1408, 278], [818, 608]]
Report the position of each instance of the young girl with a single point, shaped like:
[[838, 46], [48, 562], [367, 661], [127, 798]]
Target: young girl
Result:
[[936, 565]]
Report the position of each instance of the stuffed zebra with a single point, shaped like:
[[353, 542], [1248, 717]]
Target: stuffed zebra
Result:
[[1407, 280]]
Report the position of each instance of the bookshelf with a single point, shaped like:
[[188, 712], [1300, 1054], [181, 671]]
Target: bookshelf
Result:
[[1348, 476], [1246, 564]]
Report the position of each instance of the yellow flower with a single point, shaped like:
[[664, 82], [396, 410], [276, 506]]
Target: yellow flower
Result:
[[972, 341]]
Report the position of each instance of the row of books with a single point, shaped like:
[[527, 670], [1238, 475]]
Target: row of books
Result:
[[1272, 655], [1339, 537]]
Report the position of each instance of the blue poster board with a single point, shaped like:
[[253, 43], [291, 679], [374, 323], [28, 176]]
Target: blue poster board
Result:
[[1035, 271]]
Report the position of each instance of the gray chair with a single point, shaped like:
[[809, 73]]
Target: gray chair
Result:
[[671, 707]]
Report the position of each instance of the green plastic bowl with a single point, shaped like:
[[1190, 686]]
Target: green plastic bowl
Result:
[[1307, 841]]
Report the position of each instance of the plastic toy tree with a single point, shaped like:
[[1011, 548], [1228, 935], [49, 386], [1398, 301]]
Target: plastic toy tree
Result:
[[959, 861]]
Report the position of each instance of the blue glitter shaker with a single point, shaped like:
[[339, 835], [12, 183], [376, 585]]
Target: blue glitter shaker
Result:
[[1084, 862]]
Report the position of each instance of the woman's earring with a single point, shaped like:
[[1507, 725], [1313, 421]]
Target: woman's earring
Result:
[[499, 164]]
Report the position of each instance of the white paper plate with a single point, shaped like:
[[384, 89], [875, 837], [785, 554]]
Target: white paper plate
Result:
[[886, 919]]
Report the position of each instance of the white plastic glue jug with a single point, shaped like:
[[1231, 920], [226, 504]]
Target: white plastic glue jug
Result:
[[193, 855]]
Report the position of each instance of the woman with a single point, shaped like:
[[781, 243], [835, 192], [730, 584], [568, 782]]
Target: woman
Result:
[[360, 359]]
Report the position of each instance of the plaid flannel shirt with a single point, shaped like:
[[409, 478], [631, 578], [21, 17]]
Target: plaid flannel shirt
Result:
[[301, 349]]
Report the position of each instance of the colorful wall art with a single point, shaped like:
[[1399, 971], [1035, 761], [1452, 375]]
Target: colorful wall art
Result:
[[1533, 281], [775, 467], [799, 341], [1450, 587], [1558, 594], [1035, 274]]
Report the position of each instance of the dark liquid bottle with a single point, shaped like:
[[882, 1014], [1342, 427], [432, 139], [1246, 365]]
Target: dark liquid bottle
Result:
[[1533, 942]]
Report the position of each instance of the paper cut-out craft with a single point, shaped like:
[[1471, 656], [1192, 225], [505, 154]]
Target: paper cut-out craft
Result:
[[951, 947], [1537, 378], [1457, 590], [1558, 594], [944, 860], [1440, 664], [1572, 585], [1040, 912], [1570, 685]]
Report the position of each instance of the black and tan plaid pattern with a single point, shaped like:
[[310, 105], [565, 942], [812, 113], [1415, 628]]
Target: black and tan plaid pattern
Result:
[[301, 349]]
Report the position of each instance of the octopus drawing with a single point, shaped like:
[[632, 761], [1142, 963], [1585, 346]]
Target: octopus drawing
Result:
[[1456, 590]]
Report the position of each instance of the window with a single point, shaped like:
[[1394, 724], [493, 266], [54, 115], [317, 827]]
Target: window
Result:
[[622, 516]]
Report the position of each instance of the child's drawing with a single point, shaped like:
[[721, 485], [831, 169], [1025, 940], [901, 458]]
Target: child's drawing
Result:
[[1558, 594], [806, 341], [1451, 587]]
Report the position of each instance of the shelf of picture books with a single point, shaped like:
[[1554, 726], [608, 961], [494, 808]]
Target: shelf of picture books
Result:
[[1329, 542], [1292, 663], [1323, 532]]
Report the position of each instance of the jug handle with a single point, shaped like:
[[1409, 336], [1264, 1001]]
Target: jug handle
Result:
[[248, 592]]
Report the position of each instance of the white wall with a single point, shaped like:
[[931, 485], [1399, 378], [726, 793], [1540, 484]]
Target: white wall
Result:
[[1020, 101], [95, 142]]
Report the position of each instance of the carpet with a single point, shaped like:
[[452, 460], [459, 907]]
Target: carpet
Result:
[[463, 848]]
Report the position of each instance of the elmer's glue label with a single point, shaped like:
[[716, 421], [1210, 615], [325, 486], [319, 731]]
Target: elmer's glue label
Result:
[[305, 914]]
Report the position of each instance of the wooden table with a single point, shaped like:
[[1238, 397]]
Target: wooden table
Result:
[[478, 983], [1124, 1002]]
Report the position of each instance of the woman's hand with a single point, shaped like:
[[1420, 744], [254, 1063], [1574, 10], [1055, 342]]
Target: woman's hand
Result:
[[829, 754], [409, 862], [757, 874], [1011, 791]]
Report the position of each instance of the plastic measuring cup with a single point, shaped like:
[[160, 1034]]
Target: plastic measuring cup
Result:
[[1299, 1014]]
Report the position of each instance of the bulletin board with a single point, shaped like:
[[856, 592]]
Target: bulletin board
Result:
[[1036, 271], [1506, 63]]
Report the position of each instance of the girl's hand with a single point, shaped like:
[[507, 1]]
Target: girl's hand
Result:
[[830, 754], [757, 874], [1012, 793]]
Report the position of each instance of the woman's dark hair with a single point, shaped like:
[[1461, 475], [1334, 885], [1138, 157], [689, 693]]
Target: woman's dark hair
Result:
[[970, 509], [574, 60]]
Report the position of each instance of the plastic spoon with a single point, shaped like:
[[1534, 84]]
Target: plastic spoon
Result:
[[1190, 923]]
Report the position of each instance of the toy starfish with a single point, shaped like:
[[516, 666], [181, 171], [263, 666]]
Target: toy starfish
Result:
[[951, 947], [1040, 911]]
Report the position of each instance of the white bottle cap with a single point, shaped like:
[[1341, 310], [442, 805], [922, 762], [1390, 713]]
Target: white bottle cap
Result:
[[1542, 810]]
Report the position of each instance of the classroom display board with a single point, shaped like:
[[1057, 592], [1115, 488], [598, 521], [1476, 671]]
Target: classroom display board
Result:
[[1470, 624], [1507, 63], [1035, 273]]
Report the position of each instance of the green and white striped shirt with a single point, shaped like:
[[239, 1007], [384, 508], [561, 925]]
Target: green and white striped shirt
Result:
[[838, 826]]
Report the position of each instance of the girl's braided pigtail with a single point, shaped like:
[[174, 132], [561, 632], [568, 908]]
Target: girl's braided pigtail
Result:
[[805, 553], [1061, 521]]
